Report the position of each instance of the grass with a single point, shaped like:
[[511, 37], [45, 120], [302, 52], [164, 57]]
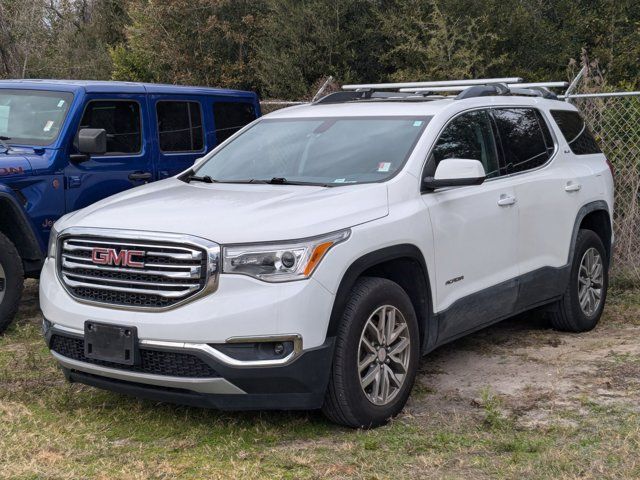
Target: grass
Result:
[[51, 429]]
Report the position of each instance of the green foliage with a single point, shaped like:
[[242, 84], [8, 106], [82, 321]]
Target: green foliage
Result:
[[284, 48], [430, 41], [303, 41], [201, 42]]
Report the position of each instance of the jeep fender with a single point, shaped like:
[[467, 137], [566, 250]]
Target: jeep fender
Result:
[[420, 295], [15, 224]]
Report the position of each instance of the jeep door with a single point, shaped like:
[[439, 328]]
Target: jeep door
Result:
[[126, 163], [474, 231], [179, 135]]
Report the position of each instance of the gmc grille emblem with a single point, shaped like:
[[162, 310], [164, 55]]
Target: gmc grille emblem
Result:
[[123, 258]]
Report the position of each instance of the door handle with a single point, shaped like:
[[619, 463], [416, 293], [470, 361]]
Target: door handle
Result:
[[506, 200], [140, 176], [572, 187]]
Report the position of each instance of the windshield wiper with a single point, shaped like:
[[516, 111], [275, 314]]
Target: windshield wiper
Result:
[[249, 180], [203, 179], [284, 181], [191, 175]]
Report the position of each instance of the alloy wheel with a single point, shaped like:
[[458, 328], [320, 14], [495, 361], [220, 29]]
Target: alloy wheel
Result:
[[383, 355], [590, 281]]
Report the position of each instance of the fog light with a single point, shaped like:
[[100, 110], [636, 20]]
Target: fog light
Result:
[[278, 349]]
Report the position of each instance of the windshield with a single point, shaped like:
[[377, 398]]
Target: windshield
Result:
[[327, 151], [32, 117]]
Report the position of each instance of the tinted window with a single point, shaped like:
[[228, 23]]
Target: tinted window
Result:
[[120, 119], [575, 132], [230, 117], [179, 126], [469, 136], [525, 138]]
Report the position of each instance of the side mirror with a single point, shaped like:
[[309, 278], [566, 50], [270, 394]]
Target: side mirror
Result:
[[90, 141], [455, 172]]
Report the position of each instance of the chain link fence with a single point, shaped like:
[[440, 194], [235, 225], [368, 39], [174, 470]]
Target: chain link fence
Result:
[[614, 119]]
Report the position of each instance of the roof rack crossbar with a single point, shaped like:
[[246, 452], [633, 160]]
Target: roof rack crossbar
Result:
[[440, 83], [459, 88]]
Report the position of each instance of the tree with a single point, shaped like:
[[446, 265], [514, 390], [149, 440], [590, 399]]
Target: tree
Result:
[[428, 42], [202, 42], [21, 29], [302, 41], [59, 38]]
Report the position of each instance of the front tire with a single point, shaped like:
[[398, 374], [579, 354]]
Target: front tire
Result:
[[376, 356], [11, 282], [581, 306]]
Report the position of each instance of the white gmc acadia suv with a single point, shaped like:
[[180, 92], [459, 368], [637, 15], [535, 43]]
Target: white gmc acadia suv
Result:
[[311, 259]]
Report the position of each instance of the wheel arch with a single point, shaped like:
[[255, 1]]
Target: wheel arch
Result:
[[594, 216], [15, 225], [403, 264]]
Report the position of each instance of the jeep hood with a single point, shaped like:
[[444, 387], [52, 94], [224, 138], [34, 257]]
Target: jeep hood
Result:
[[235, 213]]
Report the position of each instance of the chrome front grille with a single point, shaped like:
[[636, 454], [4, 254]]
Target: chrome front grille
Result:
[[158, 271]]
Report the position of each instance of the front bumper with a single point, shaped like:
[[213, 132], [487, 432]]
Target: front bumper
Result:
[[201, 378], [241, 309]]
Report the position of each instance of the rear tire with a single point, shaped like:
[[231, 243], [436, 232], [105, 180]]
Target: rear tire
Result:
[[376, 357], [11, 282], [581, 306]]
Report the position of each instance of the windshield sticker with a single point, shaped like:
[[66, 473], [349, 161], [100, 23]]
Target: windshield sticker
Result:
[[417, 123], [48, 125], [384, 166], [60, 103]]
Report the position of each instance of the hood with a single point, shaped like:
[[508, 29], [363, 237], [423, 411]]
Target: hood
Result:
[[235, 213], [13, 164]]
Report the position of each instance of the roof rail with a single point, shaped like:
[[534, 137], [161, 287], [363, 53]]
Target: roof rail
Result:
[[352, 96], [439, 83], [424, 91], [483, 91]]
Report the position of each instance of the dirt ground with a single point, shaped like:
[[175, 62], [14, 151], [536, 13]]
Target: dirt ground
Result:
[[535, 370], [517, 400]]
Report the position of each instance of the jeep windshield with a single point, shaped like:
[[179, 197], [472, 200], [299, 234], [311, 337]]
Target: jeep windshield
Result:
[[32, 117], [316, 151]]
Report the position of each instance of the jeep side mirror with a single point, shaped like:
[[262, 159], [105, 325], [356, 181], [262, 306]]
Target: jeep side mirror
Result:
[[90, 141], [455, 172]]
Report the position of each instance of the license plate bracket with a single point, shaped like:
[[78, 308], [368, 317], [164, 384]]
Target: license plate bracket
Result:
[[111, 343]]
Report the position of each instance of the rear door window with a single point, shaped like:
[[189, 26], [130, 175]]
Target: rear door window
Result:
[[180, 126], [120, 119], [525, 138], [575, 132], [229, 117]]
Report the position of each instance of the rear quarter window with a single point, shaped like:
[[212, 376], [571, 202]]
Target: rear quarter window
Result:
[[575, 132]]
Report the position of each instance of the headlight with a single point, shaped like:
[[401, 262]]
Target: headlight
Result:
[[281, 262], [53, 243]]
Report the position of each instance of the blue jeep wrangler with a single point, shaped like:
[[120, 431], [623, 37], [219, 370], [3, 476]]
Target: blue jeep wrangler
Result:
[[67, 144]]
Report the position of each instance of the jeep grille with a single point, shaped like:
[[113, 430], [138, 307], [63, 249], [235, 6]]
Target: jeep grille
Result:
[[163, 274]]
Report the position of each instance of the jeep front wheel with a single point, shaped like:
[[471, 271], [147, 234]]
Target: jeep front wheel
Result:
[[376, 357], [11, 282]]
